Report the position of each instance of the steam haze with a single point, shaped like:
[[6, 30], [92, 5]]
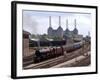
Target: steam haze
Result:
[[37, 22]]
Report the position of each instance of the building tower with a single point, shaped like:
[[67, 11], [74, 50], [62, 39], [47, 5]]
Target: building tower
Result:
[[50, 30], [67, 30], [49, 21], [60, 30], [67, 24], [59, 21], [75, 31], [88, 33]]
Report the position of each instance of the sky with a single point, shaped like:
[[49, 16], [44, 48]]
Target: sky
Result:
[[37, 22]]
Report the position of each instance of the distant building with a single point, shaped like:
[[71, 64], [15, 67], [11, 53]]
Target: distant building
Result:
[[59, 32], [26, 43], [78, 37]]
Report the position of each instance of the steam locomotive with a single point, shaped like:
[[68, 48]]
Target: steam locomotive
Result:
[[44, 54]]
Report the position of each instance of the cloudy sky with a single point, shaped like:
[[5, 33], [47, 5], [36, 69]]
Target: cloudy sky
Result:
[[37, 22]]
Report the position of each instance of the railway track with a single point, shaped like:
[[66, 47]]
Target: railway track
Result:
[[52, 62], [45, 64], [75, 62]]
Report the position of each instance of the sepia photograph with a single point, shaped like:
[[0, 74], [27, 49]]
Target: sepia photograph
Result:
[[53, 39]]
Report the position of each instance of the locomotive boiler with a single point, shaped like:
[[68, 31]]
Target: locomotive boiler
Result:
[[48, 53]]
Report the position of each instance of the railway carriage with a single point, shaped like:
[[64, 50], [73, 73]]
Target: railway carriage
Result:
[[44, 54]]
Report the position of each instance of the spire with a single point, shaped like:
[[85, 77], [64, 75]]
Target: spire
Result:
[[49, 21], [67, 24], [59, 21], [75, 23]]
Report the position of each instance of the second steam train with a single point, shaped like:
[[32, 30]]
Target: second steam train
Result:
[[48, 53]]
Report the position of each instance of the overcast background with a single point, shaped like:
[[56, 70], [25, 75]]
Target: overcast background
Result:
[[37, 22]]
